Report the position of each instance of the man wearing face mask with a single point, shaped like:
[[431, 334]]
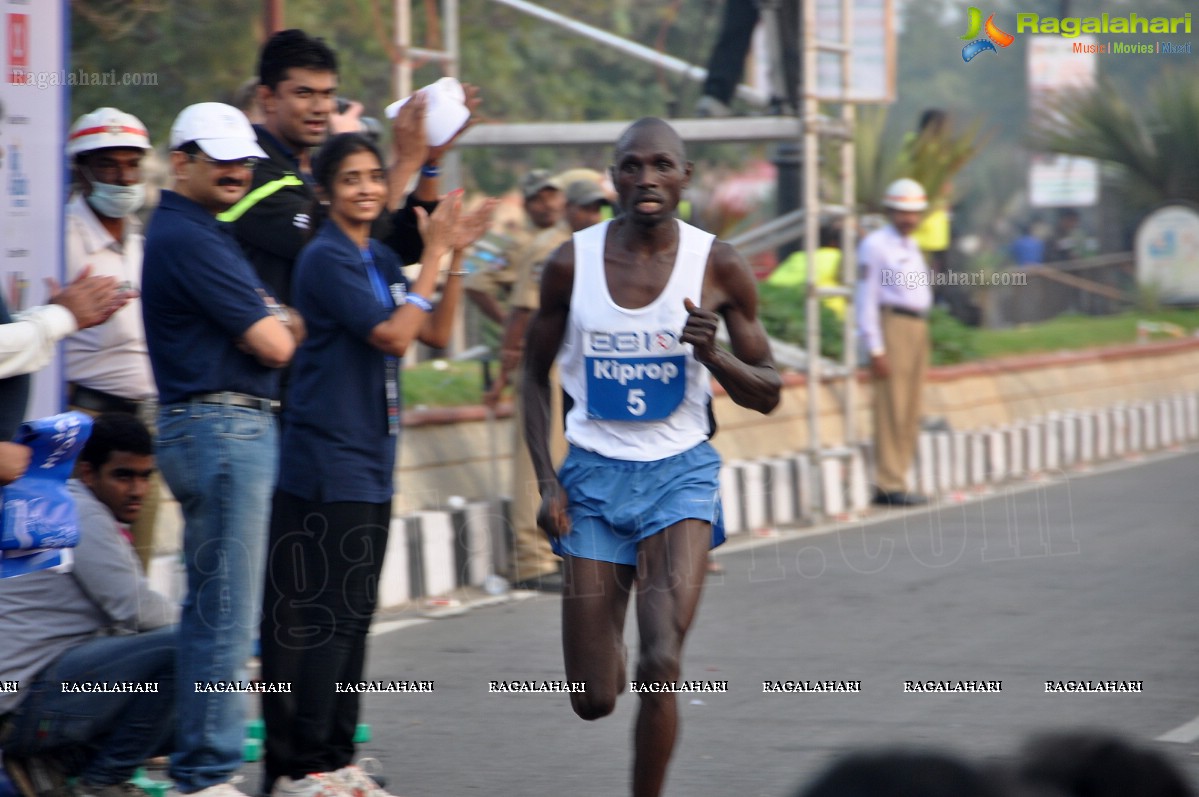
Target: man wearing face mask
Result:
[[107, 366]]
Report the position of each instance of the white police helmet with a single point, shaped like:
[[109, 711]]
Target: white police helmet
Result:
[[905, 194], [105, 128]]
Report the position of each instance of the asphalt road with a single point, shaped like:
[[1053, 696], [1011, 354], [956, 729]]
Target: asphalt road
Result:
[[1083, 577]]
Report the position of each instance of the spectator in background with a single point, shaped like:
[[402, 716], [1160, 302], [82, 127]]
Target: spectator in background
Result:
[[726, 65], [534, 564], [107, 366], [1067, 241], [585, 203], [297, 94], [544, 205], [27, 339], [217, 341], [901, 773], [332, 505], [1097, 764], [97, 623], [1028, 249], [894, 296], [793, 272], [245, 99]]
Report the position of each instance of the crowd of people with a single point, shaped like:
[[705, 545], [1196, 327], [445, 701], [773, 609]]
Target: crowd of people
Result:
[[273, 264], [255, 365], [245, 349]]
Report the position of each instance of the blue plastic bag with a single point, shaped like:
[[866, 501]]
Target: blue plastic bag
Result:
[[38, 517]]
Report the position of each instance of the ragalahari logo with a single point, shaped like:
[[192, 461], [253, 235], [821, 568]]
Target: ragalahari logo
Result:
[[975, 45]]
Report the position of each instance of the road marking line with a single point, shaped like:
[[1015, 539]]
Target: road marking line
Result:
[[1183, 734], [395, 625]]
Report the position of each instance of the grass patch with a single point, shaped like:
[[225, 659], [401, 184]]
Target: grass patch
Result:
[[1077, 332], [443, 383]]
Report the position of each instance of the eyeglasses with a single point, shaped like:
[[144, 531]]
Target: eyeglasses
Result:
[[112, 171], [240, 163]]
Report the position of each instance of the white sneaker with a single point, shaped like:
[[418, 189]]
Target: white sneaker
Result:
[[318, 784], [357, 783]]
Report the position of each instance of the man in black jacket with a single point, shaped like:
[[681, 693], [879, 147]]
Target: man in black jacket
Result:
[[297, 92]]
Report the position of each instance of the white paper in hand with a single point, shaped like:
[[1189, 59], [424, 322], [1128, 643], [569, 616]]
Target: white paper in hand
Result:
[[446, 111]]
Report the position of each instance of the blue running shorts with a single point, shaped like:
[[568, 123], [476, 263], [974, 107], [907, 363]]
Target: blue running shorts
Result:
[[615, 504]]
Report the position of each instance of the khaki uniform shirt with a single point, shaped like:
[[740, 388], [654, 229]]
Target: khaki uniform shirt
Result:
[[529, 262], [497, 283]]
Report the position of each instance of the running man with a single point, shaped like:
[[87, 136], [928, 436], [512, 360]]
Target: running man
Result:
[[629, 309]]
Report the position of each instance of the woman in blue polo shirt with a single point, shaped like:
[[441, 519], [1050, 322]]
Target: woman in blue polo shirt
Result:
[[332, 506]]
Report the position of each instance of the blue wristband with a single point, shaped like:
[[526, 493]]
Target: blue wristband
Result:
[[416, 300], [430, 171]]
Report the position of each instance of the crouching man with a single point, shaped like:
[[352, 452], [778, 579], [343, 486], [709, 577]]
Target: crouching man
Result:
[[87, 657]]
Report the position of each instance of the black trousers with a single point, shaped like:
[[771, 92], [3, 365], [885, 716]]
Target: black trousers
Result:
[[726, 66], [322, 582]]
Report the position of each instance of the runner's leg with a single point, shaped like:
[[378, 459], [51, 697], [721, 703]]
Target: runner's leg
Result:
[[595, 600], [670, 579]]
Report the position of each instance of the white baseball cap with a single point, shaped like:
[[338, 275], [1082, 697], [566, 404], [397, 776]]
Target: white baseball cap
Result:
[[105, 128], [905, 194], [222, 131]]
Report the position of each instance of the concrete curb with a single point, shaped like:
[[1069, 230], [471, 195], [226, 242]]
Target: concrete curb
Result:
[[435, 552]]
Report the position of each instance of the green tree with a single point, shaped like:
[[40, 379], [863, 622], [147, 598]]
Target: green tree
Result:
[[1154, 154]]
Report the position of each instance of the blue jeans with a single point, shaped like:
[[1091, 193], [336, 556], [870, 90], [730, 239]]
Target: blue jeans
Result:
[[104, 737], [220, 463]]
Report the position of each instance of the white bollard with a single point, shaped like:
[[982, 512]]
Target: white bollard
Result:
[[395, 580], [1034, 439], [961, 460], [832, 486], [1167, 423], [1103, 435], [997, 467], [943, 446], [732, 497], [859, 483], [1086, 438], [926, 466], [473, 536], [806, 481], [1015, 448], [978, 459], [1191, 409], [437, 543], [1068, 427], [1136, 427], [1119, 418], [1152, 437], [755, 495], [783, 491], [1052, 431]]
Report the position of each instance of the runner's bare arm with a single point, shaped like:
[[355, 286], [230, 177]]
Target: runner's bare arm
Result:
[[747, 372], [547, 328]]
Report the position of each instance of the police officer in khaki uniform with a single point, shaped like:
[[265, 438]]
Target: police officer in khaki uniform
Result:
[[491, 290], [534, 564], [893, 298]]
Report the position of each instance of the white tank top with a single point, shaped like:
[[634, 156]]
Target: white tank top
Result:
[[639, 394]]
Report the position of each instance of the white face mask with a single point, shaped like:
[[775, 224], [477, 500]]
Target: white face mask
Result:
[[116, 201]]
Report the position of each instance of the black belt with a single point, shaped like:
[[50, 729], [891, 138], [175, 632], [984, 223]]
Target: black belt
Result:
[[99, 401], [229, 398], [905, 311]]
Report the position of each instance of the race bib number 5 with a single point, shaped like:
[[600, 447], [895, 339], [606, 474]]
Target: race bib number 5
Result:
[[635, 388]]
